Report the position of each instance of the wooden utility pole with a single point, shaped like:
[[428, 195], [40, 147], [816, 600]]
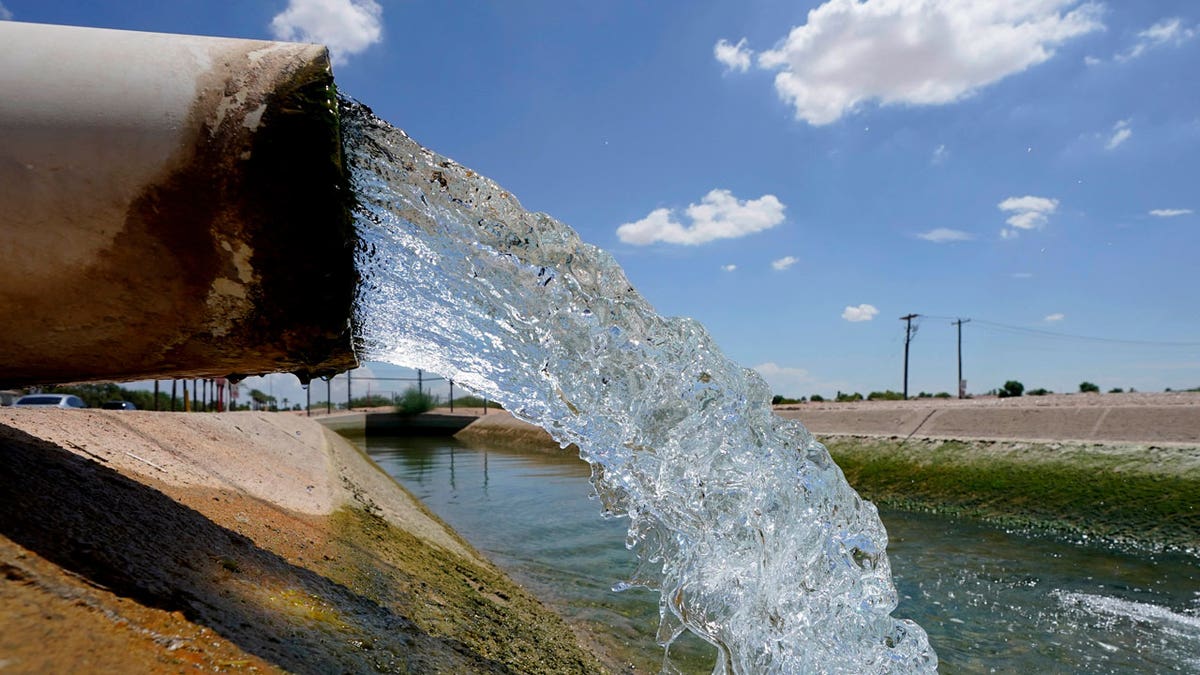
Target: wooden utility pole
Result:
[[962, 389], [908, 333]]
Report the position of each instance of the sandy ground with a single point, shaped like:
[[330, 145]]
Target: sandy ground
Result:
[[154, 542], [1146, 418]]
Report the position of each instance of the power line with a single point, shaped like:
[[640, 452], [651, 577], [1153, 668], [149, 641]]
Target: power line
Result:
[[996, 325], [1087, 338]]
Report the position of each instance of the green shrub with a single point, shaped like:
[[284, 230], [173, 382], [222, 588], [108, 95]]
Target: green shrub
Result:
[[1088, 387], [845, 398], [816, 398], [942, 394], [888, 395], [1116, 390], [414, 402], [1039, 392], [1011, 389]]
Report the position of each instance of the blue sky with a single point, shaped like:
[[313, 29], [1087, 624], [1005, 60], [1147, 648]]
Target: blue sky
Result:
[[799, 175]]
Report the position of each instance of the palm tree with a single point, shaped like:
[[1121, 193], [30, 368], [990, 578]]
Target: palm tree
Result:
[[257, 399]]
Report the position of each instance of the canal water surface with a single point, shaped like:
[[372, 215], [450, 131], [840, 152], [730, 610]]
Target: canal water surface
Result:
[[991, 601]]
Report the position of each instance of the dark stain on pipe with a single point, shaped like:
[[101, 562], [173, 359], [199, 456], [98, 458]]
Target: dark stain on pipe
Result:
[[240, 260]]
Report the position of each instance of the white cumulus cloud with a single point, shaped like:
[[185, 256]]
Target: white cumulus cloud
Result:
[[1057, 316], [1170, 213], [943, 235], [914, 52], [863, 312], [1028, 213], [1121, 133], [735, 57], [728, 268], [784, 262], [1166, 32], [347, 27], [719, 215]]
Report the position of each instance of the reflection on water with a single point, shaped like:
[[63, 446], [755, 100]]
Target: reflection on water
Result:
[[990, 601]]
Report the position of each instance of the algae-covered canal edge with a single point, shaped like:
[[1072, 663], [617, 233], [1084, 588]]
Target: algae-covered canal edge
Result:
[[1136, 496]]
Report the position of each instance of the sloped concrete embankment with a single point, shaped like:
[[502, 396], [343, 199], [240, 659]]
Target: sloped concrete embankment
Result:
[[147, 542], [502, 429], [1146, 424]]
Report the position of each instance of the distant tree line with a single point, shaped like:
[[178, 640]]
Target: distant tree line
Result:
[[1010, 389], [1013, 388], [412, 401], [847, 397]]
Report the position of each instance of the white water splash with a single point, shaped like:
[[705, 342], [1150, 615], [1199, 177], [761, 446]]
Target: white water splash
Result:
[[1187, 625], [740, 519]]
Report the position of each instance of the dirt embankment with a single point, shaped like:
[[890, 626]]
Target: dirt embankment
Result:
[[147, 542]]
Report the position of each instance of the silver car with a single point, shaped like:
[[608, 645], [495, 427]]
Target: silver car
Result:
[[49, 401]]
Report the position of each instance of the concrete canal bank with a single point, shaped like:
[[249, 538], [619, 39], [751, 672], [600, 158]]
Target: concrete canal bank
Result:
[[150, 542]]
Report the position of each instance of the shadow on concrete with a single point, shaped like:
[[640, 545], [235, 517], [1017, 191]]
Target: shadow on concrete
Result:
[[137, 542]]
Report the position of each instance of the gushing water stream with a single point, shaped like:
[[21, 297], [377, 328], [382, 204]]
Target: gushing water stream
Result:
[[739, 519]]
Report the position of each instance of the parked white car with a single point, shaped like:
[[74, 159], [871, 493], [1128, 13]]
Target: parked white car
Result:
[[49, 401]]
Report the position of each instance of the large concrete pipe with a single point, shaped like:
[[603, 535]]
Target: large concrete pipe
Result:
[[169, 206]]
